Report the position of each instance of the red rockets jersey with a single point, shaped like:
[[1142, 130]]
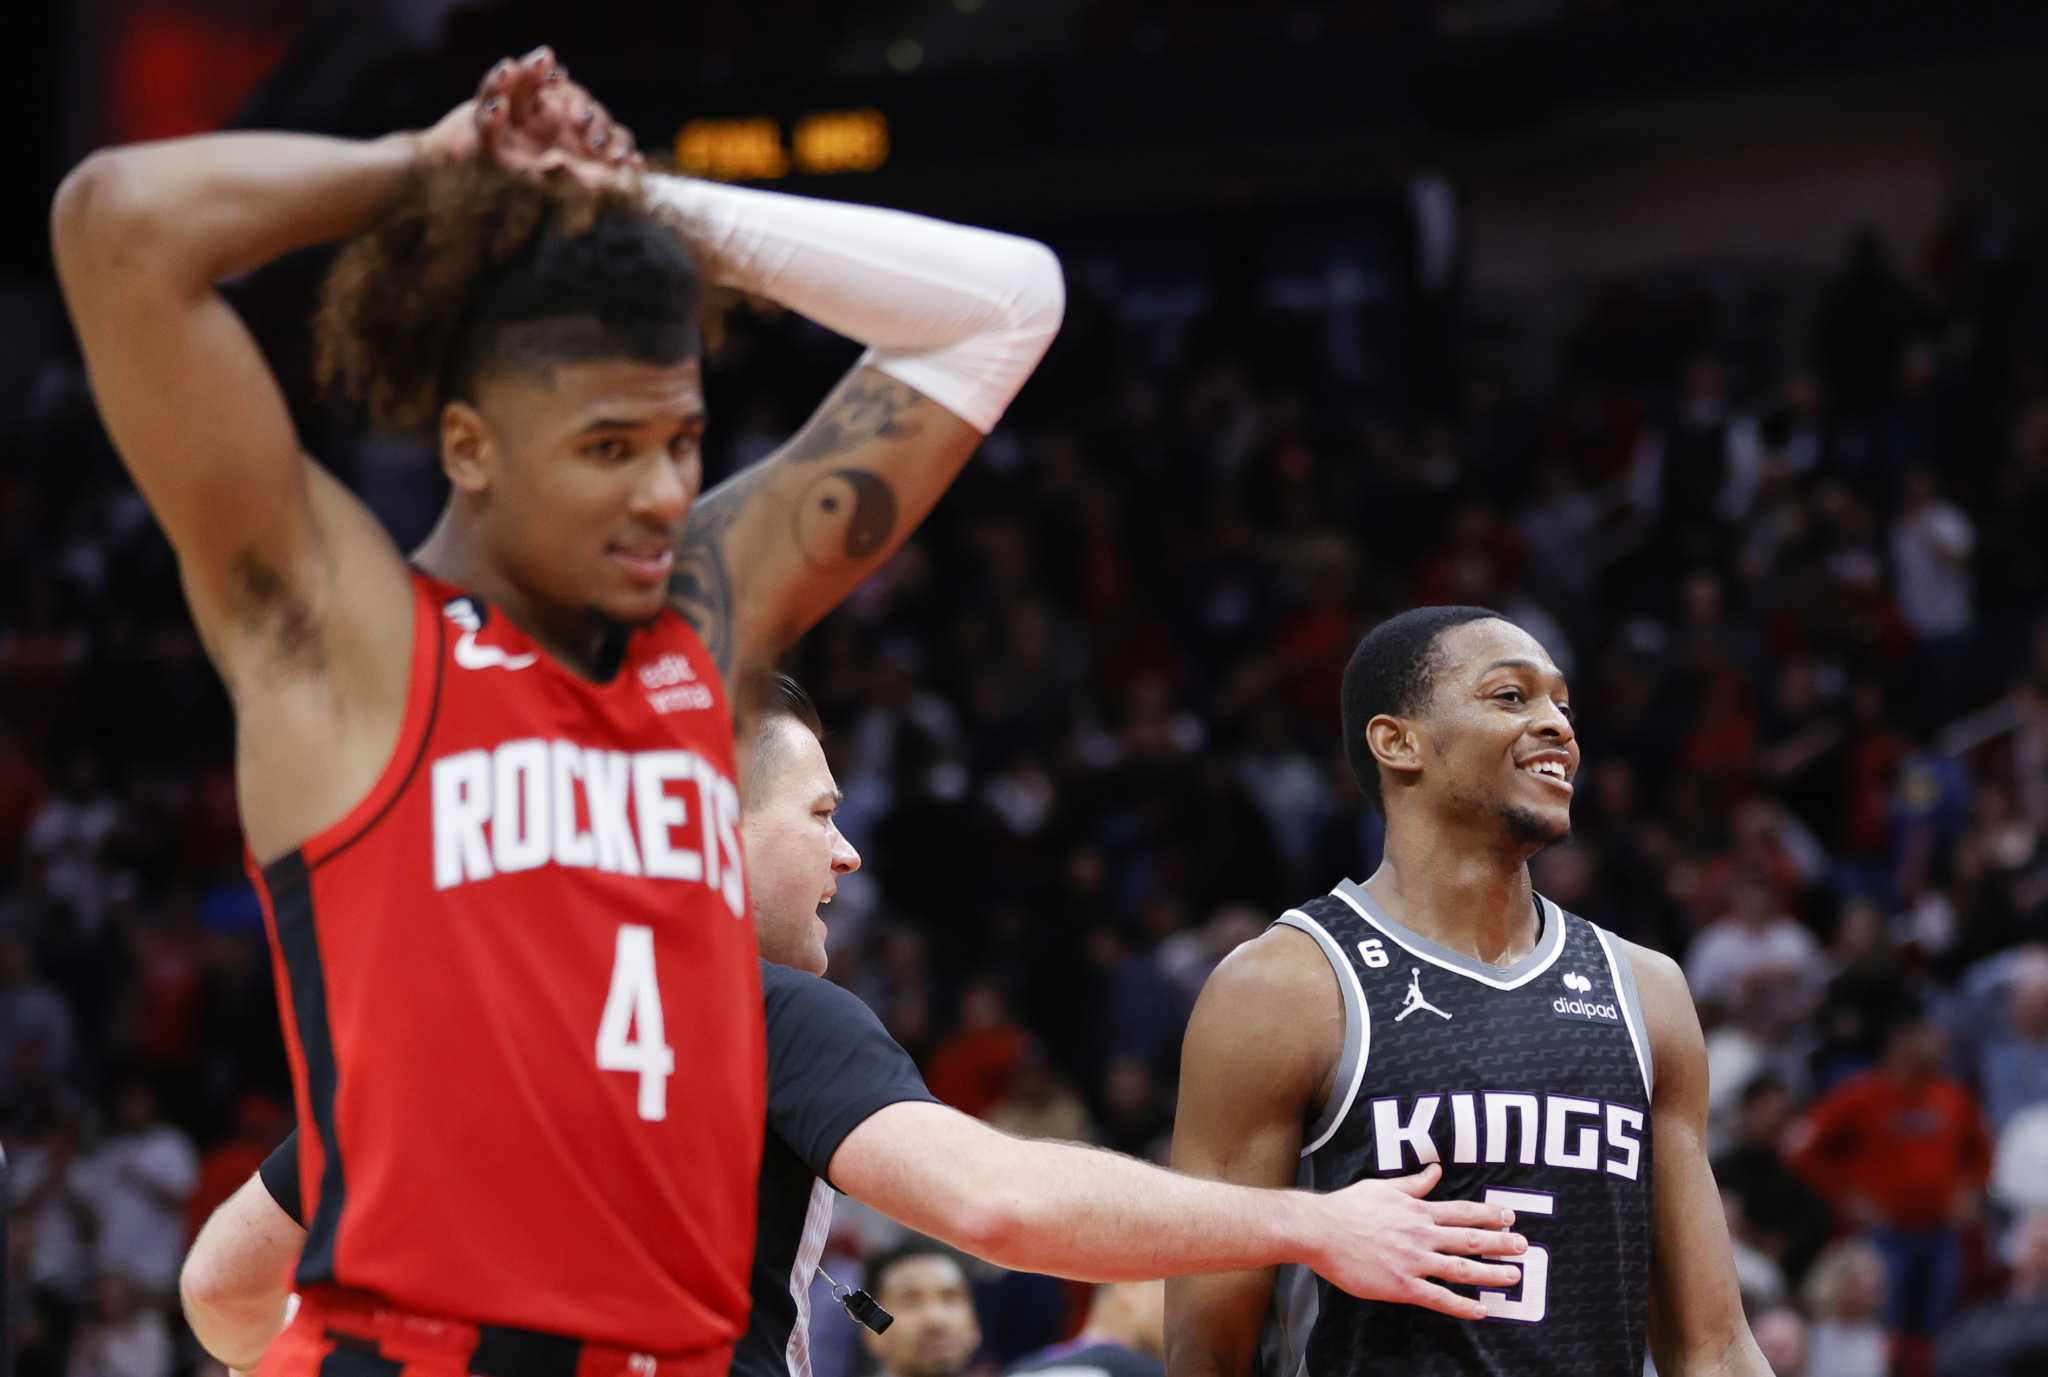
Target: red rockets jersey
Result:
[[521, 999]]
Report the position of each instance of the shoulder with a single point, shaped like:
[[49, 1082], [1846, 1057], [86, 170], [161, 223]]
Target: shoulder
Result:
[[793, 996], [1272, 1007], [1672, 1023], [1280, 964], [1659, 977]]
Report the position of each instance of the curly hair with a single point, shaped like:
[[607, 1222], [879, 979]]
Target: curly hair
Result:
[[477, 270]]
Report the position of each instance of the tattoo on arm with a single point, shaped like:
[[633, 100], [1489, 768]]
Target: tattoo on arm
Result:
[[872, 406], [701, 586], [853, 505], [842, 515]]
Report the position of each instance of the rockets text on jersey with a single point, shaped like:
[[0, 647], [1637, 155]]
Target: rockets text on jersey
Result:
[[522, 1002]]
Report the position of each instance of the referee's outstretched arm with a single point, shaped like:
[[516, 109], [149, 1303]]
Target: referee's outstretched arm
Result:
[[1094, 1215]]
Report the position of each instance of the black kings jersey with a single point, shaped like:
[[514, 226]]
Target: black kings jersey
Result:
[[1531, 1085]]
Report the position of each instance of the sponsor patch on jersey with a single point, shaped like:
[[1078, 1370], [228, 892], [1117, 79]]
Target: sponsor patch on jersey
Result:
[[672, 686], [1575, 1006]]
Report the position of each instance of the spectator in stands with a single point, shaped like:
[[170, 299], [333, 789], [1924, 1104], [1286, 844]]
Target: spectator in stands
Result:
[[1042, 1103], [2019, 1170], [1902, 1151], [974, 1068], [1782, 1336], [69, 836], [53, 1217], [123, 1337], [2012, 1062], [2008, 1338], [1788, 1221], [37, 1035], [924, 1285], [1845, 1301], [1123, 1336], [138, 1181], [1754, 961]]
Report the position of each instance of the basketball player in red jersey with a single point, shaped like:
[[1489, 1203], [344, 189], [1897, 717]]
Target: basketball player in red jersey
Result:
[[502, 872]]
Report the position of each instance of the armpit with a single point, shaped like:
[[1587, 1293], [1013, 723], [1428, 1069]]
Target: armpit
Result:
[[265, 607]]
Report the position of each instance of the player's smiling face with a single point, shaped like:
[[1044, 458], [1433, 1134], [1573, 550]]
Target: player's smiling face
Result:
[[583, 475], [795, 853], [1500, 736]]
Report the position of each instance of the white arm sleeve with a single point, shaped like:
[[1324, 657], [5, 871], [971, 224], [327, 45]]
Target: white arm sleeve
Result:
[[963, 315]]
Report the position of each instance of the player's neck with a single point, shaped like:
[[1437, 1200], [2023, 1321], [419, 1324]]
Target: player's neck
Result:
[[454, 555], [1475, 903]]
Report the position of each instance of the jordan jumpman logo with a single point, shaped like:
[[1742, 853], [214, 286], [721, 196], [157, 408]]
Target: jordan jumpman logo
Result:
[[1416, 1003]]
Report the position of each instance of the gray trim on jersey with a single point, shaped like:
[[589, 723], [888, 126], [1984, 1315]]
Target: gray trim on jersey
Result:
[[1548, 944], [1357, 1032], [1624, 973], [1291, 1314], [809, 1249]]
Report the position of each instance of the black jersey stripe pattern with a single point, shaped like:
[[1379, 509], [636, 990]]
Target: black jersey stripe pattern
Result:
[[1530, 1085]]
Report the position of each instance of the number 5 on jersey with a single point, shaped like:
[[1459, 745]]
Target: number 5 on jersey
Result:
[[630, 1036], [1529, 1307]]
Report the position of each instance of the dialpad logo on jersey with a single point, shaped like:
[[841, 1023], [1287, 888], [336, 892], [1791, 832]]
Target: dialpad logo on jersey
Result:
[[1464, 1129], [672, 685], [668, 815], [1579, 1010]]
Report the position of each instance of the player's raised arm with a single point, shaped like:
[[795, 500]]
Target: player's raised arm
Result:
[[954, 319], [141, 235], [293, 584], [1697, 1328]]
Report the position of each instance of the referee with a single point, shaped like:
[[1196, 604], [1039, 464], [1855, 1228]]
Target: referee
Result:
[[847, 1109]]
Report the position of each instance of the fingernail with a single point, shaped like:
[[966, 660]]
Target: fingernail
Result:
[[1507, 1219]]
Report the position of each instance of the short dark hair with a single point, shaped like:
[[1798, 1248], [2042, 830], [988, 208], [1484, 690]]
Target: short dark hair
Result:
[[782, 696], [879, 1265], [775, 696], [1392, 671]]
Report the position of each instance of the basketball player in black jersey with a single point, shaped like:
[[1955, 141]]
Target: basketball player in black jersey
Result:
[[848, 1109], [1442, 1012]]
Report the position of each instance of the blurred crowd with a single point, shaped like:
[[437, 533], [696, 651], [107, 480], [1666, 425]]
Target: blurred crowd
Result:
[[1087, 729]]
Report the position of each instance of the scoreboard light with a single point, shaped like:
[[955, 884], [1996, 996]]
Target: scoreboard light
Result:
[[756, 150]]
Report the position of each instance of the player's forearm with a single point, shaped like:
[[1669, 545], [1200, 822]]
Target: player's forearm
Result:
[[235, 1282], [199, 209], [961, 314], [1098, 1216]]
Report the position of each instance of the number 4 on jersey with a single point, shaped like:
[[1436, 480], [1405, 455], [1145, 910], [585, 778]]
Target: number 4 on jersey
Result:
[[630, 1036]]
